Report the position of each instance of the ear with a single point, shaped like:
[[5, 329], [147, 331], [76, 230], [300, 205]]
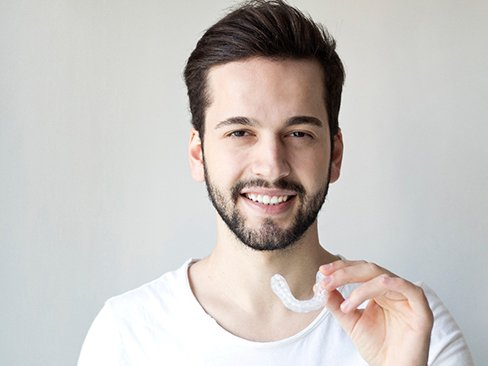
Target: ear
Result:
[[195, 156], [336, 158]]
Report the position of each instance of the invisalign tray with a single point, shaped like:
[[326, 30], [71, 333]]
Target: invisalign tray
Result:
[[281, 289]]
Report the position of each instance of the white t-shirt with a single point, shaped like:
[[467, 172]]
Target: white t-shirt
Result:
[[162, 323]]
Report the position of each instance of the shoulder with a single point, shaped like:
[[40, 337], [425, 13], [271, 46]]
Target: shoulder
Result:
[[153, 296], [447, 345], [133, 324]]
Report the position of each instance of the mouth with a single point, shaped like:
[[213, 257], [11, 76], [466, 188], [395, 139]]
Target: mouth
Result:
[[268, 200]]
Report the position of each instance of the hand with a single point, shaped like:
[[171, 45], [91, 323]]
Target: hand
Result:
[[395, 326]]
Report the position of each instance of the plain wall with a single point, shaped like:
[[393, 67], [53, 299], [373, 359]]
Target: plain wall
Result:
[[95, 192]]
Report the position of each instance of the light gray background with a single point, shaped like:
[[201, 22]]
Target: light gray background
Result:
[[95, 193]]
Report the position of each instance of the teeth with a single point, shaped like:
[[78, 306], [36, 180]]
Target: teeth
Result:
[[267, 200]]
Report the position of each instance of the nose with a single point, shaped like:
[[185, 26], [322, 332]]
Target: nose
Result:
[[270, 160]]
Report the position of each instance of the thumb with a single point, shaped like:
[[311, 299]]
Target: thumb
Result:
[[345, 319]]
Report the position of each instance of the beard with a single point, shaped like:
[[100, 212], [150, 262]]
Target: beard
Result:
[[269, 236]]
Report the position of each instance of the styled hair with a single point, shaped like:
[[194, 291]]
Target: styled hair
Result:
[[261, 28]]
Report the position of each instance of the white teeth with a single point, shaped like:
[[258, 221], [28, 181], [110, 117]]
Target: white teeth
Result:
[[267, 200]]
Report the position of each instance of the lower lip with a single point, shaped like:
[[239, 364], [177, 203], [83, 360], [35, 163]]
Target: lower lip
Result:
[[269, 209]]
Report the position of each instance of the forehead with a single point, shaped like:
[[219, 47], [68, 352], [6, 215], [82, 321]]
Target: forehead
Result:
[[266, 89]]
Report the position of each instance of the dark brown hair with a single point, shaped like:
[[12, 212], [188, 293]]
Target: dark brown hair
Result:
[[261, 28]]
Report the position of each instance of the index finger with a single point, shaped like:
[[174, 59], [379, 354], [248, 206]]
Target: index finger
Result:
[[344, 272]]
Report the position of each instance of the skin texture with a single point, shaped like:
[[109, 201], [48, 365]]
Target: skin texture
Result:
[[395, 326], [267, 124]]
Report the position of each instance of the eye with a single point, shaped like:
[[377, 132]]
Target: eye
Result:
[[299, 134], [238, 133]]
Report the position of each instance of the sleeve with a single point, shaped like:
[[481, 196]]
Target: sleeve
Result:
[[102, 345], [447, 344]]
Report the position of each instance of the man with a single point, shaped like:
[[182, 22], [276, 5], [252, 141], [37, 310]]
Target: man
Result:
[[265, 85]]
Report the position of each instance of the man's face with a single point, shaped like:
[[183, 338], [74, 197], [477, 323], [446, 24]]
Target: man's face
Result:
[[267, 151]]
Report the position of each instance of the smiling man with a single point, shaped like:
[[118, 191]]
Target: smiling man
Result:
[[268, 158], [265, 85]]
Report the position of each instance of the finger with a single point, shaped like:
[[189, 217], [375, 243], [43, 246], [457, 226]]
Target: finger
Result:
[[388, 291], [344, 272], [413, 293], [342, 263], [346, 320]]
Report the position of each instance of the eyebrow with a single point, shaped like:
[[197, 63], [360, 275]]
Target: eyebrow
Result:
[[243, 121], [296, 120], [304, 120]]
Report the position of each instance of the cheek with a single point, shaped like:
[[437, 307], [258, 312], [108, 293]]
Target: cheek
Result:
[[313, 171], [223, 168]]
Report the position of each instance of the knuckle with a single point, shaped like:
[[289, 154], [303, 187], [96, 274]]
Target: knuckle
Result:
[[391, 281], [339, 273], [420, 292], [373, 267], [338, 263]]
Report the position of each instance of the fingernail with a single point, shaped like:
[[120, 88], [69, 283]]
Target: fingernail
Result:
[[325, 267], [345, 306]]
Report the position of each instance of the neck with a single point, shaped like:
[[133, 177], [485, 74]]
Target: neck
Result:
[[245, 273]]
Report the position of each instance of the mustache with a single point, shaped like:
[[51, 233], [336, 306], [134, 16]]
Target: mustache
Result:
[[256, 182]]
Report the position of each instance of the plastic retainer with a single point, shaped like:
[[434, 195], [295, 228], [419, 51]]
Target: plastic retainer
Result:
[[282, 290]]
